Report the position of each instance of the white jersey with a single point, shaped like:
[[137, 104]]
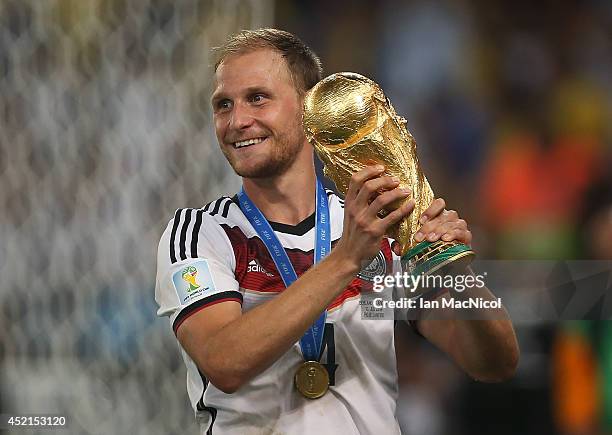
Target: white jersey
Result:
[[212, 255]]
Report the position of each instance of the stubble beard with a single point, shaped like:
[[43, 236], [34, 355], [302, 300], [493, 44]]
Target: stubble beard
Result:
[[285, 151]]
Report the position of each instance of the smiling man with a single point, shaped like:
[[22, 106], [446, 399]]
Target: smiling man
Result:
[[273, 338]]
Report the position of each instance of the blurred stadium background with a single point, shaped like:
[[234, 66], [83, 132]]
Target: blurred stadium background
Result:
[[106, 130]]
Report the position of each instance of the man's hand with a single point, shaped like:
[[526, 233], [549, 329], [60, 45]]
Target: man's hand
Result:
[[363, 228], [438, 223]]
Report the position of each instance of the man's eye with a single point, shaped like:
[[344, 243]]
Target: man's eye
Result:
[[257, 98], [223, 104]]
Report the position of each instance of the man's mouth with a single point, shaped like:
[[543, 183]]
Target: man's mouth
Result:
[[247, 142]]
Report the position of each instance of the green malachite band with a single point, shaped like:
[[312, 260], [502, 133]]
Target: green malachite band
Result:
[[416, 250], [439, 260]]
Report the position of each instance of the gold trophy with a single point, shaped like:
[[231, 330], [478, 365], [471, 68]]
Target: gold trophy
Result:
[[351, 124]]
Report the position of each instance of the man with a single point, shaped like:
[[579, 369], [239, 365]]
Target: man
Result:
[[241, 325]]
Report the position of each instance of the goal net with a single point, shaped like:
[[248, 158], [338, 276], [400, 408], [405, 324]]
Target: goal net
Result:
[[106, 130]]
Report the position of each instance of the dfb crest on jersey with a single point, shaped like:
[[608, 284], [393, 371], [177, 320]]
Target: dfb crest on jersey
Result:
[[377, 267]]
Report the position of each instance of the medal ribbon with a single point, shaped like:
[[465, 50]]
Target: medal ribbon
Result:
[[311, 342]]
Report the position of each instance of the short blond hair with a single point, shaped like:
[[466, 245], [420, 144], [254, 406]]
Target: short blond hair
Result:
[[304, 65]]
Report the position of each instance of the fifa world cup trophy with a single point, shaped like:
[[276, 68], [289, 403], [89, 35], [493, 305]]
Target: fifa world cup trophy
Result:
[[351, 124]]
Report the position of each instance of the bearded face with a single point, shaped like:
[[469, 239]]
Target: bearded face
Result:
[[257, 112]]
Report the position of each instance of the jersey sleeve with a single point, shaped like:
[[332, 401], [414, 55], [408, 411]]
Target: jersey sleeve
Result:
[[195, 267], [399, 293], [430, 294]]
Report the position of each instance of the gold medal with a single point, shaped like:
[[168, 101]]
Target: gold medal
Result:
[[312, 379]]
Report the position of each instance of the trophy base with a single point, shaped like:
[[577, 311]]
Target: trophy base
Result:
[[429, 257]]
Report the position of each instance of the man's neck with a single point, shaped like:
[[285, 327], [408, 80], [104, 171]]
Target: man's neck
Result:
[[288, 198]]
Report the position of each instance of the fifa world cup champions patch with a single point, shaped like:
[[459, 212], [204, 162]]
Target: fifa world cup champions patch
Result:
[[193, 281]]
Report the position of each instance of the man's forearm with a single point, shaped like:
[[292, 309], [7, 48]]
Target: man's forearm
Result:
[[481, 341], [484, 340], [251, 343]]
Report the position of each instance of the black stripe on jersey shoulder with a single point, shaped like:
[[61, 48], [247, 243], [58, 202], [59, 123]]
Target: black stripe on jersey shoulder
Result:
[[226, 207], [203, 303], [196, 232], [209, 208], [177, 218], [187, 241], [331, 193], [222, 205], [183, 239], [214, 207]]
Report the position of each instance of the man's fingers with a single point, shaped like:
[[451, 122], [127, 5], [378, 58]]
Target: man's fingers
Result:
[[435, 229], [360, 177], [386, 198], [396, 215], [426, 230], [453, 230], [459, 235], [371, 188], [435, 208], [439, 225]]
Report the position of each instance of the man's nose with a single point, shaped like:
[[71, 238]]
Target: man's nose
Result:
[[241, 117]]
